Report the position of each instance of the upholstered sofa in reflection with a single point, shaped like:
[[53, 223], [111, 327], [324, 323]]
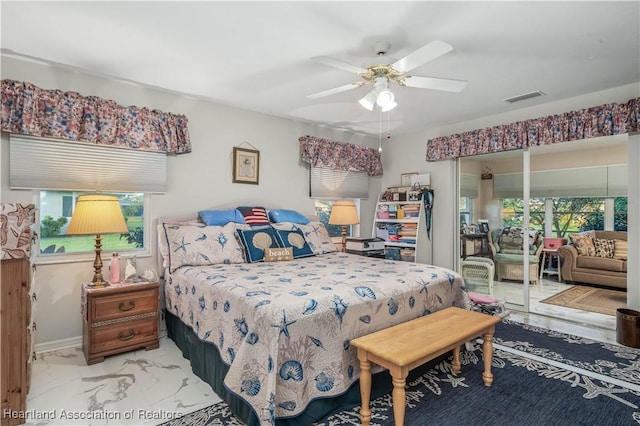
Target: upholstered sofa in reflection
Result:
[[506, 246], [597, 265]]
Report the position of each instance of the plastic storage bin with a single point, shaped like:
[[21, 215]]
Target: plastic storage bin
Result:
[[392, 253], [408, 255], [553, 243]]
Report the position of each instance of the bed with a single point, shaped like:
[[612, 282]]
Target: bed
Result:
[[272, 338]]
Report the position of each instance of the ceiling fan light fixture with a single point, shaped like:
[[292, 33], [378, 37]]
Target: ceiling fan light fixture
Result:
[[391, 105], [385, 98], [369, 100]]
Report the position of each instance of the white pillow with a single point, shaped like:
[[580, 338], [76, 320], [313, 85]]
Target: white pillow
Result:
[[200, 245], [315, 234], [163, 244]]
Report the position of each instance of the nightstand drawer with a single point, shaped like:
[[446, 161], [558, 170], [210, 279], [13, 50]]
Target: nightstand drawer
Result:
[[105, 308], [113, 337]]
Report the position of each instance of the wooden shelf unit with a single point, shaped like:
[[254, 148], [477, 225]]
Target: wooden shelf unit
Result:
[[422, 246]]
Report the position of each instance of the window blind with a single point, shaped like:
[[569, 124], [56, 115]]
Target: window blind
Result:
[[327, 183], [617, 178], [601, 181], [468, 185], [38, 163], [508, 185]]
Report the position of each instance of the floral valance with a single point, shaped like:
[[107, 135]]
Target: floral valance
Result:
[[30, 110], [334, 155], [602, 120]]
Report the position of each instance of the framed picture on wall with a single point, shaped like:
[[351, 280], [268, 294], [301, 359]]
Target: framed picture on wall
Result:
[[405, 179], [246, 165]]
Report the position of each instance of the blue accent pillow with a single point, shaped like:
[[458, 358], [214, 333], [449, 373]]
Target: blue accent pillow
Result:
[[255, 241], [282, 215], [295, 239], [220, 217]]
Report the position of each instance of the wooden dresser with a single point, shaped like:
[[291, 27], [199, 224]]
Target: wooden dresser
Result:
[[119, 318], [17, 294], [17, 340]]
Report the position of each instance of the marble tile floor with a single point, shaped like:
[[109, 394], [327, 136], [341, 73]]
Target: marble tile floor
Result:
[[136, 388], [151, 387], [572, 321]]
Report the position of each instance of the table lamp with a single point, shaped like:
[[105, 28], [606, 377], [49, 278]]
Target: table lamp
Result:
[[344, 213], [97, 214]]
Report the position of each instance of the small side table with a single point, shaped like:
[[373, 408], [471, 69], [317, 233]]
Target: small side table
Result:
[[119, 318], [474, 245], [547, 260]]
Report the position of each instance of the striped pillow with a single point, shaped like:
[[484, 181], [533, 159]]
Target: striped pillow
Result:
[[620, 251], [254, 216]]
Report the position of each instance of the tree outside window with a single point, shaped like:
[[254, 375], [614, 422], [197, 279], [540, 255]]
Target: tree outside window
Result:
[[569, 214], [56, 209]]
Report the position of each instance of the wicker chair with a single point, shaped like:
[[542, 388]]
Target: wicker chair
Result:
[[506, 248], [478, 272]]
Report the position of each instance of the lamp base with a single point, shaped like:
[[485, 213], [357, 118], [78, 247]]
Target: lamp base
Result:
[[98, 281], [98, 284]]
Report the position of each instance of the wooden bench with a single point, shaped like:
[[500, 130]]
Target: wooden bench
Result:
[[405, 346]]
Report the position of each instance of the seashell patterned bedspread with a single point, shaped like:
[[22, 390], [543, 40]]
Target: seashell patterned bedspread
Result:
[[285, 327]]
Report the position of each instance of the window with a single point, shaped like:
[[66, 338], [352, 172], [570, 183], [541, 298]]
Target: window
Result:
[[620, 213], [67, 205], [577, 214], [56, 209], [465, 211], [323, 210], [568, 214]]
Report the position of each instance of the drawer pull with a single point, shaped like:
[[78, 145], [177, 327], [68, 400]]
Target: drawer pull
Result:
[[130, 336], [124, 308]]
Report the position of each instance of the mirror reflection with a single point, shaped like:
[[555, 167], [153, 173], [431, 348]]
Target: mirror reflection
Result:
[[574, 187]]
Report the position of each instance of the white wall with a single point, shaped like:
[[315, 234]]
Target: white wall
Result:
[[197, 180]]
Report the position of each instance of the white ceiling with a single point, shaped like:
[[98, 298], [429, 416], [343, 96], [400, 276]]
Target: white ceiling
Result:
[[256, 55]]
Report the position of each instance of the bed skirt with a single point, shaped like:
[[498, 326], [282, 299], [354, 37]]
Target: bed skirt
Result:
[[207, 364]]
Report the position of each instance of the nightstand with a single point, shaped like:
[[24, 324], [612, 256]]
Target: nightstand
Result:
[[379, 254], [119, 318]]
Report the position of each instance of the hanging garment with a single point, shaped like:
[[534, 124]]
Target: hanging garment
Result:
[[427, 199]]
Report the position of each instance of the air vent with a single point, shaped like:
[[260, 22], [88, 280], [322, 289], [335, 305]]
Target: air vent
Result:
[[524, 96]]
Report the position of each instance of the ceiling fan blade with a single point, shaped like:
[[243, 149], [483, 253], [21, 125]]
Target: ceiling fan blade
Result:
[[445, 84], [425, 54], [334, 90], [338, 64]]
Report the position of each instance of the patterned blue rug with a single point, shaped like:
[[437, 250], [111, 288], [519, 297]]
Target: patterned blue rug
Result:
[[541, 377]]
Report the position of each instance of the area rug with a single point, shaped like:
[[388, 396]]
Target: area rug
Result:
[[590, 299], [541, 377]]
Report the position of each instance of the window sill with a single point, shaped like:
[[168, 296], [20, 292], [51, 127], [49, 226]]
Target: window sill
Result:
[[62, 258]]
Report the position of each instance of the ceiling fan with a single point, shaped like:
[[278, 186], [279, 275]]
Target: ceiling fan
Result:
[[380, 75]]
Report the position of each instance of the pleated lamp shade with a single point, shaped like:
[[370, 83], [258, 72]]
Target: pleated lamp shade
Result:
[[343, 213], [97, 214]]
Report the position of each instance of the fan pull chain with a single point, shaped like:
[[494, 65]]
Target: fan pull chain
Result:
[[388, 124], [380, 133]]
